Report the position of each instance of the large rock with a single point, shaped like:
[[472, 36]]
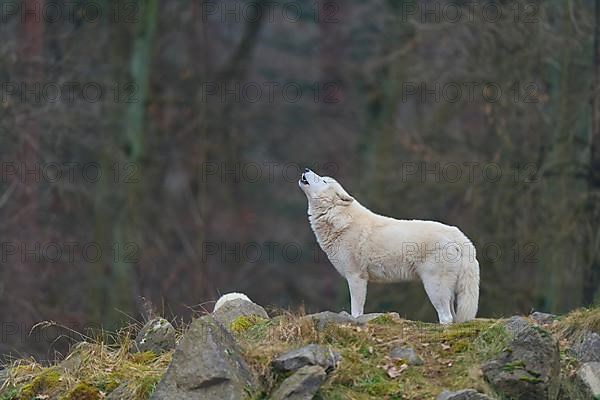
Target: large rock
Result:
[[589, 379], [301, 385], [206, 365], [466, 394], [157, 335], [528, 369], [405, 353], [366, 318], [586, 347], [233, 309], [542, 318], [326, 318], [313, 354]]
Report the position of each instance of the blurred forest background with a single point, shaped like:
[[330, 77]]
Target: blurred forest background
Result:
[[151, 150]]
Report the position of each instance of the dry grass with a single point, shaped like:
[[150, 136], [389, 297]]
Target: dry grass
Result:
[[91, 370], [576, 322]]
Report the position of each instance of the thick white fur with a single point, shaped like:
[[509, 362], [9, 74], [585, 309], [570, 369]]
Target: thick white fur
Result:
[[364, 246], [228, 297]]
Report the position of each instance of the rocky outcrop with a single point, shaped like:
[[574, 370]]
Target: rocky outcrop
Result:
[[541, 318], [301, 385], [529, 367], [466, 394], [157, 335], [206, 365], [312, 354], [231, 310]]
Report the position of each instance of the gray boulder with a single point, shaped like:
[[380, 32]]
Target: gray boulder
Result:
[[542, 318], [588, 376], [233, 309], [366, 318], [586, 348], [466, 394], [528, 369], [206, 365], [301, 385], [326, 318], [313, 354], [157, 335], [406, 353]]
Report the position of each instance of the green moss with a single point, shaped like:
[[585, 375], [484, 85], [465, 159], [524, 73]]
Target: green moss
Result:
[[517, 364], [243, 323], [378, 385], [41, 384], [107, 383], [83, 391]]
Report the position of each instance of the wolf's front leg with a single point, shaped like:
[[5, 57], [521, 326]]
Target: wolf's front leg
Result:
[[358, 294]]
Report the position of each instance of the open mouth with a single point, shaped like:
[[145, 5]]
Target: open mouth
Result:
[[304, 180]]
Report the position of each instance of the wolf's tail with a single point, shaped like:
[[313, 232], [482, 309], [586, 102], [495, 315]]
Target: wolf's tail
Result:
[[467, 286]]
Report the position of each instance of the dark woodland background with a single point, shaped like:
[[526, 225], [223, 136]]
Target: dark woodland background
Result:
[[151, 150]]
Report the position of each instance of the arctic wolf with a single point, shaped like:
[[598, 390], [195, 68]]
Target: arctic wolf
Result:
[[367, 247]]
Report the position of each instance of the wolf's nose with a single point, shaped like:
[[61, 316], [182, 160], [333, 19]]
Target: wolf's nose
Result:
[[306, 170]]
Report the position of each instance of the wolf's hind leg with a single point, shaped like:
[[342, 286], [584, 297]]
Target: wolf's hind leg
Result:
[[358, 294], [441, 298]]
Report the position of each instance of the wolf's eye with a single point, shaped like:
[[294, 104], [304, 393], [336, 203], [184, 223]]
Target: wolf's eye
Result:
[[323, 180]]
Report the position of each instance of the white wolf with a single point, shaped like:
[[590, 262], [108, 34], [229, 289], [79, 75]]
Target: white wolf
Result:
[[364, 246]]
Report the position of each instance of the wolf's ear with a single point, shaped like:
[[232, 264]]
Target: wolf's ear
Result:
[[343, 198]]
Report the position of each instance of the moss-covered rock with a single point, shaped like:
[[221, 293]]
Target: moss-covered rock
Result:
[[43, 384], [83, 391]]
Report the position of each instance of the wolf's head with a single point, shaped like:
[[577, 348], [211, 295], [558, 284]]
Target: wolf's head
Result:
[[323, 192]]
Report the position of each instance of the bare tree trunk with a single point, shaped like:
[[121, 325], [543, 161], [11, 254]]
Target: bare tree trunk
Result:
[[31, 46], [592, 279], [127, 228]]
